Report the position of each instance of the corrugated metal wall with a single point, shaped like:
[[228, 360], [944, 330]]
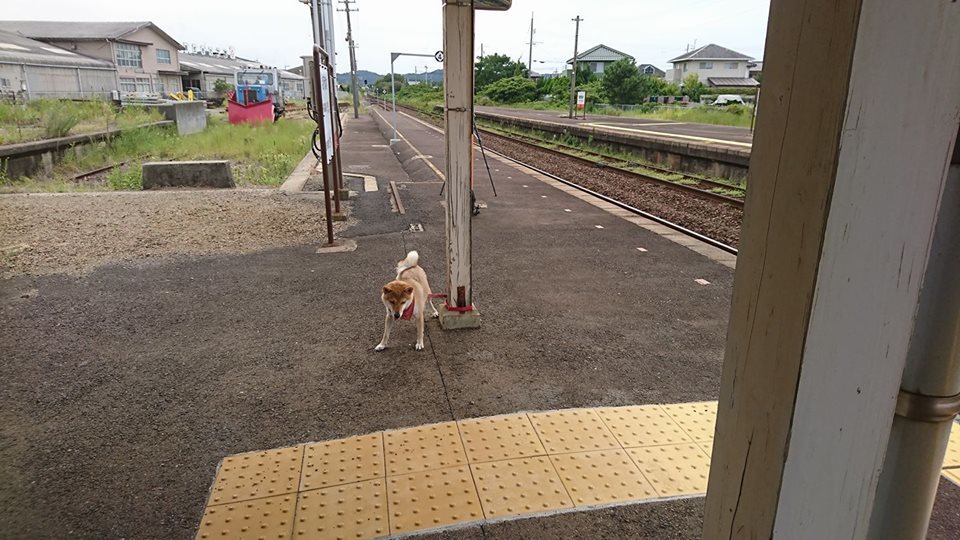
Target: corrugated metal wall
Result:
[[59, 82]]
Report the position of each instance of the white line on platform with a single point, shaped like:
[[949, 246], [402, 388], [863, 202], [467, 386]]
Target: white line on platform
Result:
[[598, 226], [702, 281], [706, 140], [642, 250], [370, 184], [567, 210]]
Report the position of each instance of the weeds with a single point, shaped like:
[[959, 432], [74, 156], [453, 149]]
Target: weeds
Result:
[[58, 122], [126, 178]]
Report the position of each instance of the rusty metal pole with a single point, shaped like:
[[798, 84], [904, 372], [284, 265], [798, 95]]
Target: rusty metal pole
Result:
[[317, 99], [335, 151]]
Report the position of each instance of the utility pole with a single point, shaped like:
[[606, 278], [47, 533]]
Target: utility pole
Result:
[[531, 43], [573, 72], [353, 58]]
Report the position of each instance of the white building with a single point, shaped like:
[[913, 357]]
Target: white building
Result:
[[31, 69], [714, 66]]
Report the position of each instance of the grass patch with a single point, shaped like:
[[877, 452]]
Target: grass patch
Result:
[[48, 118], [262, 155], [738, 116]]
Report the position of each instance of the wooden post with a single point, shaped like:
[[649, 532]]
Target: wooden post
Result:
[[458, 99], [850, 166]]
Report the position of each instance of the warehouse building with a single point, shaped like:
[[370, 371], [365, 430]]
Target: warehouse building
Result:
[[144, 57], [203, 70], [31, 69]]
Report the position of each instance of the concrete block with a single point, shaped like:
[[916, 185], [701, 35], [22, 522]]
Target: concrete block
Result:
[[190, 116], [216, 174], [456, 320]]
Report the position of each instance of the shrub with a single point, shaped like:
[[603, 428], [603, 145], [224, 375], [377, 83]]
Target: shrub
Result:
[[126, 179], [58, 122], [512, 90]]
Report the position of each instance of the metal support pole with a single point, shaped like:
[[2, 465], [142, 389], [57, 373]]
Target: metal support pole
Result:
[[930, 389], [334, 112], [393, 93], [573, 72], [324, 156]]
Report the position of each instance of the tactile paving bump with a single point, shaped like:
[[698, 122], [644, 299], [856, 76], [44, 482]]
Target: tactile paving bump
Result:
[[519, 486], [574, 430], [601, 477], [697, 419], [267, 518], [952, 457], [341, 461], [681, 469], [646, 425], [500, 437], [356, 510], [429, 499], [423, 448], [953, 475], [257, 474]]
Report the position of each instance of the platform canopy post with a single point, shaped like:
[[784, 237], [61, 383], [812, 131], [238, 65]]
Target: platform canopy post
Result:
[[458, 16], [848, 171]]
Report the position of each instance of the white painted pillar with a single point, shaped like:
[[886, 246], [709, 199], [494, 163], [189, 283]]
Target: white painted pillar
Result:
[[849, 164], [458, 99]]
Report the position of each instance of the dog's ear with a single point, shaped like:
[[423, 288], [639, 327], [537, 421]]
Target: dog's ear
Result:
[[409, 290], [386, 290]]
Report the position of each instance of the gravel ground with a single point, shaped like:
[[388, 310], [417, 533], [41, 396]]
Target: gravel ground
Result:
[[73, 233], [711, 218]]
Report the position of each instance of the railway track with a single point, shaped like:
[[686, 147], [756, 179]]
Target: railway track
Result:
[[714, 220]]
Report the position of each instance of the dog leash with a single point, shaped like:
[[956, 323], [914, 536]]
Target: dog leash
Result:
[[447, 304]]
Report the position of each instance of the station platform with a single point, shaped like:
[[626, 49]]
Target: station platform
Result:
[[580, 409]]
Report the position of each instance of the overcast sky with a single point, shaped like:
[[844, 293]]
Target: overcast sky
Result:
[[278, 31]]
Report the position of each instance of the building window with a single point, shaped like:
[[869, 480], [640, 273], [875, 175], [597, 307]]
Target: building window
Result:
[[4, 83], [732, 65], [129, 55], [706, 65], [163, 56], [138, 84], [648, 70], [685, 68]]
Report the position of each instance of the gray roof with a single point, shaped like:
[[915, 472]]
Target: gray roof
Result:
[[20, 50], [711, 52], [79, 30], [600, 53], [656, 70], [730, 82], [195, 63]]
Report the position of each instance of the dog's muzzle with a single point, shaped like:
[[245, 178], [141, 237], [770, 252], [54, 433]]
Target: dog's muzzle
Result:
[[396, 315]]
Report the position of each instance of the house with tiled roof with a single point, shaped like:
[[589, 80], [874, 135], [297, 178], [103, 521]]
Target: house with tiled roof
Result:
[[714, 66], [599, 57]]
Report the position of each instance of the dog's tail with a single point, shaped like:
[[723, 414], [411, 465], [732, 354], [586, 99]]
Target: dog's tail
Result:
[[409, 262]]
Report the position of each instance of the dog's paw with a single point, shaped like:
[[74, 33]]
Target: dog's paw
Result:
[[436, 315], [380, 347], [418, 346]]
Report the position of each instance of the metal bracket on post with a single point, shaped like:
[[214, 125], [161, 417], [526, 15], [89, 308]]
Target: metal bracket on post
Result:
[[927, 408]]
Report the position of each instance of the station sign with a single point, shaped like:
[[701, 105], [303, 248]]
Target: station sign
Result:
[[581, 99]]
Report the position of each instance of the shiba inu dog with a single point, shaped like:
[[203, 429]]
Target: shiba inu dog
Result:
[[406, 296]]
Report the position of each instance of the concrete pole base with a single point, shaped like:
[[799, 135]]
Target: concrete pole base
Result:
[[457, 320], [344, 194], [339, 216], [338, 246]]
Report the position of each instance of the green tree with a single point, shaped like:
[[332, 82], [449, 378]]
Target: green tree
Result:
[[494, 67], [584, 75], [383, 83], [595, 93], [692, 87], [621, 82], [512, 90], [221, 87]]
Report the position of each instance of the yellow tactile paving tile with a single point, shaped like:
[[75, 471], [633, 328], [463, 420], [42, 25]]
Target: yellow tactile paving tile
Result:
[[267, 518], [257, 474], [519, 486], [681, 469], [357, 510], [341, 461], [500, 437], [423, 448], [696, 419], [572, 430], [601, 477], [646, 425], [952, 457], [953, 475], [433, 476], [430, 499]]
